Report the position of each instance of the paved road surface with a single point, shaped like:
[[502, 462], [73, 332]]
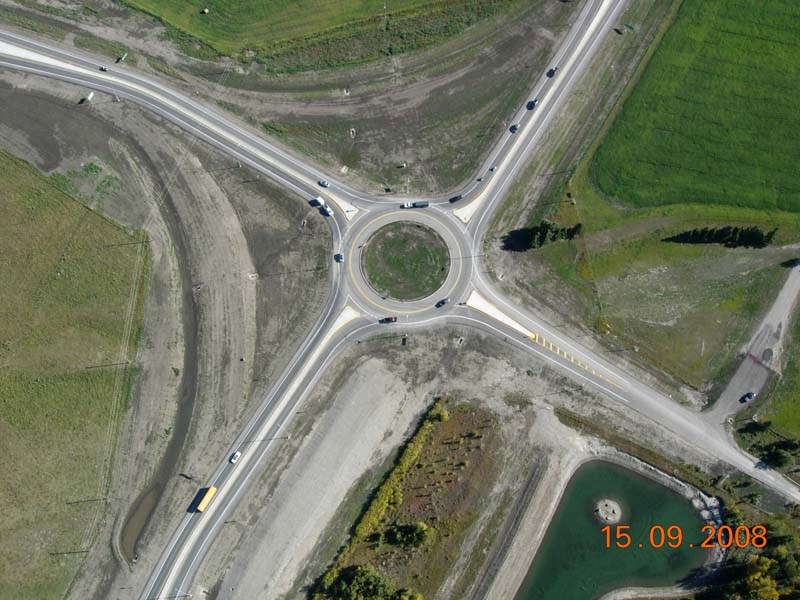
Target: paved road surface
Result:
[[353, 308]]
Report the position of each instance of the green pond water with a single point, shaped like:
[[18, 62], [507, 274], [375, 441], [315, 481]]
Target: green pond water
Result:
[[573, 562]]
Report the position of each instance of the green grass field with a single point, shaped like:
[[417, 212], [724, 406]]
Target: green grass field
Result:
[[314, 34], [406, 261], [714, 118], [785, 409], [71, 294], [675, 158]]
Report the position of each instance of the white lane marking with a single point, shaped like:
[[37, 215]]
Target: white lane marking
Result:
[[481, 304], [188, 111], [466, 212], [347, 315]]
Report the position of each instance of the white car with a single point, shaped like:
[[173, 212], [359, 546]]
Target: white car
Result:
[[235, 457], [407, 205], [325, 183], [318, 201], [326, 208]]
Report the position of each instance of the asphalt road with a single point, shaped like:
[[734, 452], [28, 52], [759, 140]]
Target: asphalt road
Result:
[[354, 308]]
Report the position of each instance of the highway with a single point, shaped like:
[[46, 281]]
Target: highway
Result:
[[353, 307]]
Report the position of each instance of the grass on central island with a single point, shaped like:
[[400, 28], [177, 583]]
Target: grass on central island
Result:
[[405, 261]]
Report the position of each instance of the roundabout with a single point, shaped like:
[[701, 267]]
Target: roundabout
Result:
[[405, 261]]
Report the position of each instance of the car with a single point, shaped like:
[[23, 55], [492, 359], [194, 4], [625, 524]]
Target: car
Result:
[[747, 397], [532, 104], [234, 457], [552, 71], [104, 69], [388, 320], [407, 205], [338, 258], [456, 198], [442, 302], [325, 183], [479, 179], [326, 208], [514, 128], [493, 169]]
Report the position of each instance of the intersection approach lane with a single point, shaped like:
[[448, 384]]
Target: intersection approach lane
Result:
[[353, 308]]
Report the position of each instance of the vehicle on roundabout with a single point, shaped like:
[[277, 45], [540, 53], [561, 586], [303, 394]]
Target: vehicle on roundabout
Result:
[[388, 320], [442, 302]]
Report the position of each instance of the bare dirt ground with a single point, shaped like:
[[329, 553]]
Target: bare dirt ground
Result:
[[437, 110], [347, 432], [229, 263]]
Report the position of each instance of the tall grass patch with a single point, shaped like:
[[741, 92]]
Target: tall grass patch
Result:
[[68, 304]]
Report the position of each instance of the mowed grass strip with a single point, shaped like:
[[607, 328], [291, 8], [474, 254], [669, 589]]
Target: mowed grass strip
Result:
[[315, 34], [405, 261], [714, 118], [71, 286]]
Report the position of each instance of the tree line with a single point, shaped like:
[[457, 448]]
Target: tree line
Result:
[[731, 237], [536, 236]]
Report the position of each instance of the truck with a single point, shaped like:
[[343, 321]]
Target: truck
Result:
[[206, 499], [418, 204]]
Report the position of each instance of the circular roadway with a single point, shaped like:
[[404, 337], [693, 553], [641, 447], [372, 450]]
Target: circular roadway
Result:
[[455, 284]]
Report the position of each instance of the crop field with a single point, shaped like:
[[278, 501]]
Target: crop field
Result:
[[714, 118], [675, 159], [409, 535], [297, 36], [69, 307]]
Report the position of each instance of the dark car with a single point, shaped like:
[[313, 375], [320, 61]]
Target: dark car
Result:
[[532, 104], [456, 198], [338, 258], [442, 302], [104, 69], [388, 320], [747, 397], [514, 128], [552, 71]]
